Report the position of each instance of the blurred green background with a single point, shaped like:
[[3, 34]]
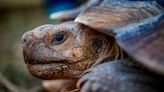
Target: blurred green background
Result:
[[17, 17]]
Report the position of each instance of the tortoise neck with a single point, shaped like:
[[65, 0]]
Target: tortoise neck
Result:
[[110, 54], [115, 53]]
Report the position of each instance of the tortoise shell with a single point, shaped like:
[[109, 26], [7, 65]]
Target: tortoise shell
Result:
[[138, 27]]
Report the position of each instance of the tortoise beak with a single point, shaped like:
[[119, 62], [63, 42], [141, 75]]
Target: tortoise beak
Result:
[[27, 42], [35, 51]]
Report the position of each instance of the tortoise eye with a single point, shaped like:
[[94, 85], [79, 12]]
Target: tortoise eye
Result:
[[59, 38]]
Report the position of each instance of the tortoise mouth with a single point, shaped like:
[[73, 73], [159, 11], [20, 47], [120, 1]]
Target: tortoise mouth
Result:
[[54, 69], [35, 62], [49, 71]]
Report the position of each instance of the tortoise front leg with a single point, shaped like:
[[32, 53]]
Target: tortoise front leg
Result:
[[60, 85], [120, 76]]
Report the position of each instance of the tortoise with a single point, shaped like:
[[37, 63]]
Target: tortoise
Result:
[[111, 46]]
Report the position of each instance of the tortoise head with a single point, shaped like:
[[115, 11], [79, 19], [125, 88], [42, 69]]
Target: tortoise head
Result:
[[65, 50]]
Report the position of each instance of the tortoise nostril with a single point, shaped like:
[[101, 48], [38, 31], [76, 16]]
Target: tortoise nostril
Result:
[[24, 40], [27, 38]]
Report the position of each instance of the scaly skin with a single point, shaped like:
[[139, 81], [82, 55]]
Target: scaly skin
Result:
[[120, 76], [48, 58]]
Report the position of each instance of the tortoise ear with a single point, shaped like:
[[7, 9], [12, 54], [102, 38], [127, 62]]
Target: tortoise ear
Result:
[[145, 42], [106, 18]]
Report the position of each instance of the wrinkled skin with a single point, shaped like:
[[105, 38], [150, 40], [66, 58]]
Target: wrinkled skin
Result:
[[62, 51], [123, 75]]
